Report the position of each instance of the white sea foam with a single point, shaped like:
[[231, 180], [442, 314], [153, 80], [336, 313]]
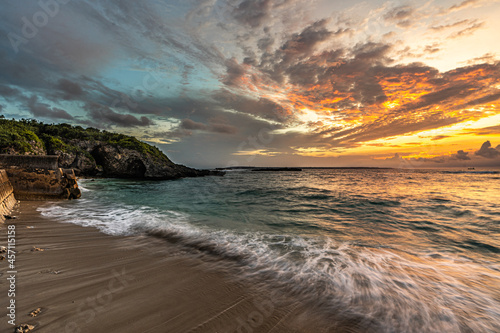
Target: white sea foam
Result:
[[398, 291]]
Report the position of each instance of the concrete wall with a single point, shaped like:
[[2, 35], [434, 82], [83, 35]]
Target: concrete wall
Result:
[[7, 199], [49, 162], [43, 184]]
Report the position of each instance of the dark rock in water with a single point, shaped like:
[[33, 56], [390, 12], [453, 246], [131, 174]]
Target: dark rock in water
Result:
[[75, 193]]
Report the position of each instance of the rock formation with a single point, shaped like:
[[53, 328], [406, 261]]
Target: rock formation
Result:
[[96, 158], [92, 152]]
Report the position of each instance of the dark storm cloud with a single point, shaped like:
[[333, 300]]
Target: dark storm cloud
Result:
[[296, 48], [262, 107], [487, 151], [45, 111], [21, 70], [71, 90], [188, 124], [104, 116], [8, 92]]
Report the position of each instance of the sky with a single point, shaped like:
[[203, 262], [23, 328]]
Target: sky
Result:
[[215, 83]]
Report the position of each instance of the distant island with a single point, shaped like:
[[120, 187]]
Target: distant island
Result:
[[91, 152], [253, 168]]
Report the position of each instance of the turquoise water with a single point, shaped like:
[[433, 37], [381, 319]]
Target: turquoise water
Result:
[[412, 251]]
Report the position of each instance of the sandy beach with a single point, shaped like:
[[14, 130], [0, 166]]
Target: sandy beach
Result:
[[84, 281]]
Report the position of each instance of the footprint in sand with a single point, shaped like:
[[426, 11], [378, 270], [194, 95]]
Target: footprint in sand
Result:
[[23, 328], [35, 313]]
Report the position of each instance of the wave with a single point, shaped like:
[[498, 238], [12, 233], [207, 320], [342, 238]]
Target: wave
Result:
[[383, 288], [474, 172]]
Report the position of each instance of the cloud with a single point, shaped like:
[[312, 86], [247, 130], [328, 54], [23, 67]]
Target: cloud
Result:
[[235, 73], [487, 151], [45, 111], [192, 125], [488, 58], [71, 90], [464, 4], [223, 128], [485, 131], [461, 155], [467, 31], [103, 115], [253, 12], [396, 157], [8, 92], [440, 137], [214, 127], [440, 28], [235, 67], [263, 107], [401, 16]]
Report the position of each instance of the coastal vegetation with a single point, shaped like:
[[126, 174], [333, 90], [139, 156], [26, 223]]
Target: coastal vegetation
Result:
[[32, 137], [91, 151]]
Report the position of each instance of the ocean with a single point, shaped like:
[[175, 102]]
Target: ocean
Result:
[[398, 250]]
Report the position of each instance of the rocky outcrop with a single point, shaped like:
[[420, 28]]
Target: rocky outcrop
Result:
[[95, 158], [91, 151]]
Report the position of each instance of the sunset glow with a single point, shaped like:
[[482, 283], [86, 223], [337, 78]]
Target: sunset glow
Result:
[[349, 83]]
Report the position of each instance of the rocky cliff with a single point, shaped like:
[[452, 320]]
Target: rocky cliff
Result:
[[92, 152], [97, 158]]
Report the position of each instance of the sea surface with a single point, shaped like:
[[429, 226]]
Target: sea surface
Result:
[[400, 250]]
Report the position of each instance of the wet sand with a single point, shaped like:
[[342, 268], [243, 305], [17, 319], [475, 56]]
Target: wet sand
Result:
[[86, 281]]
